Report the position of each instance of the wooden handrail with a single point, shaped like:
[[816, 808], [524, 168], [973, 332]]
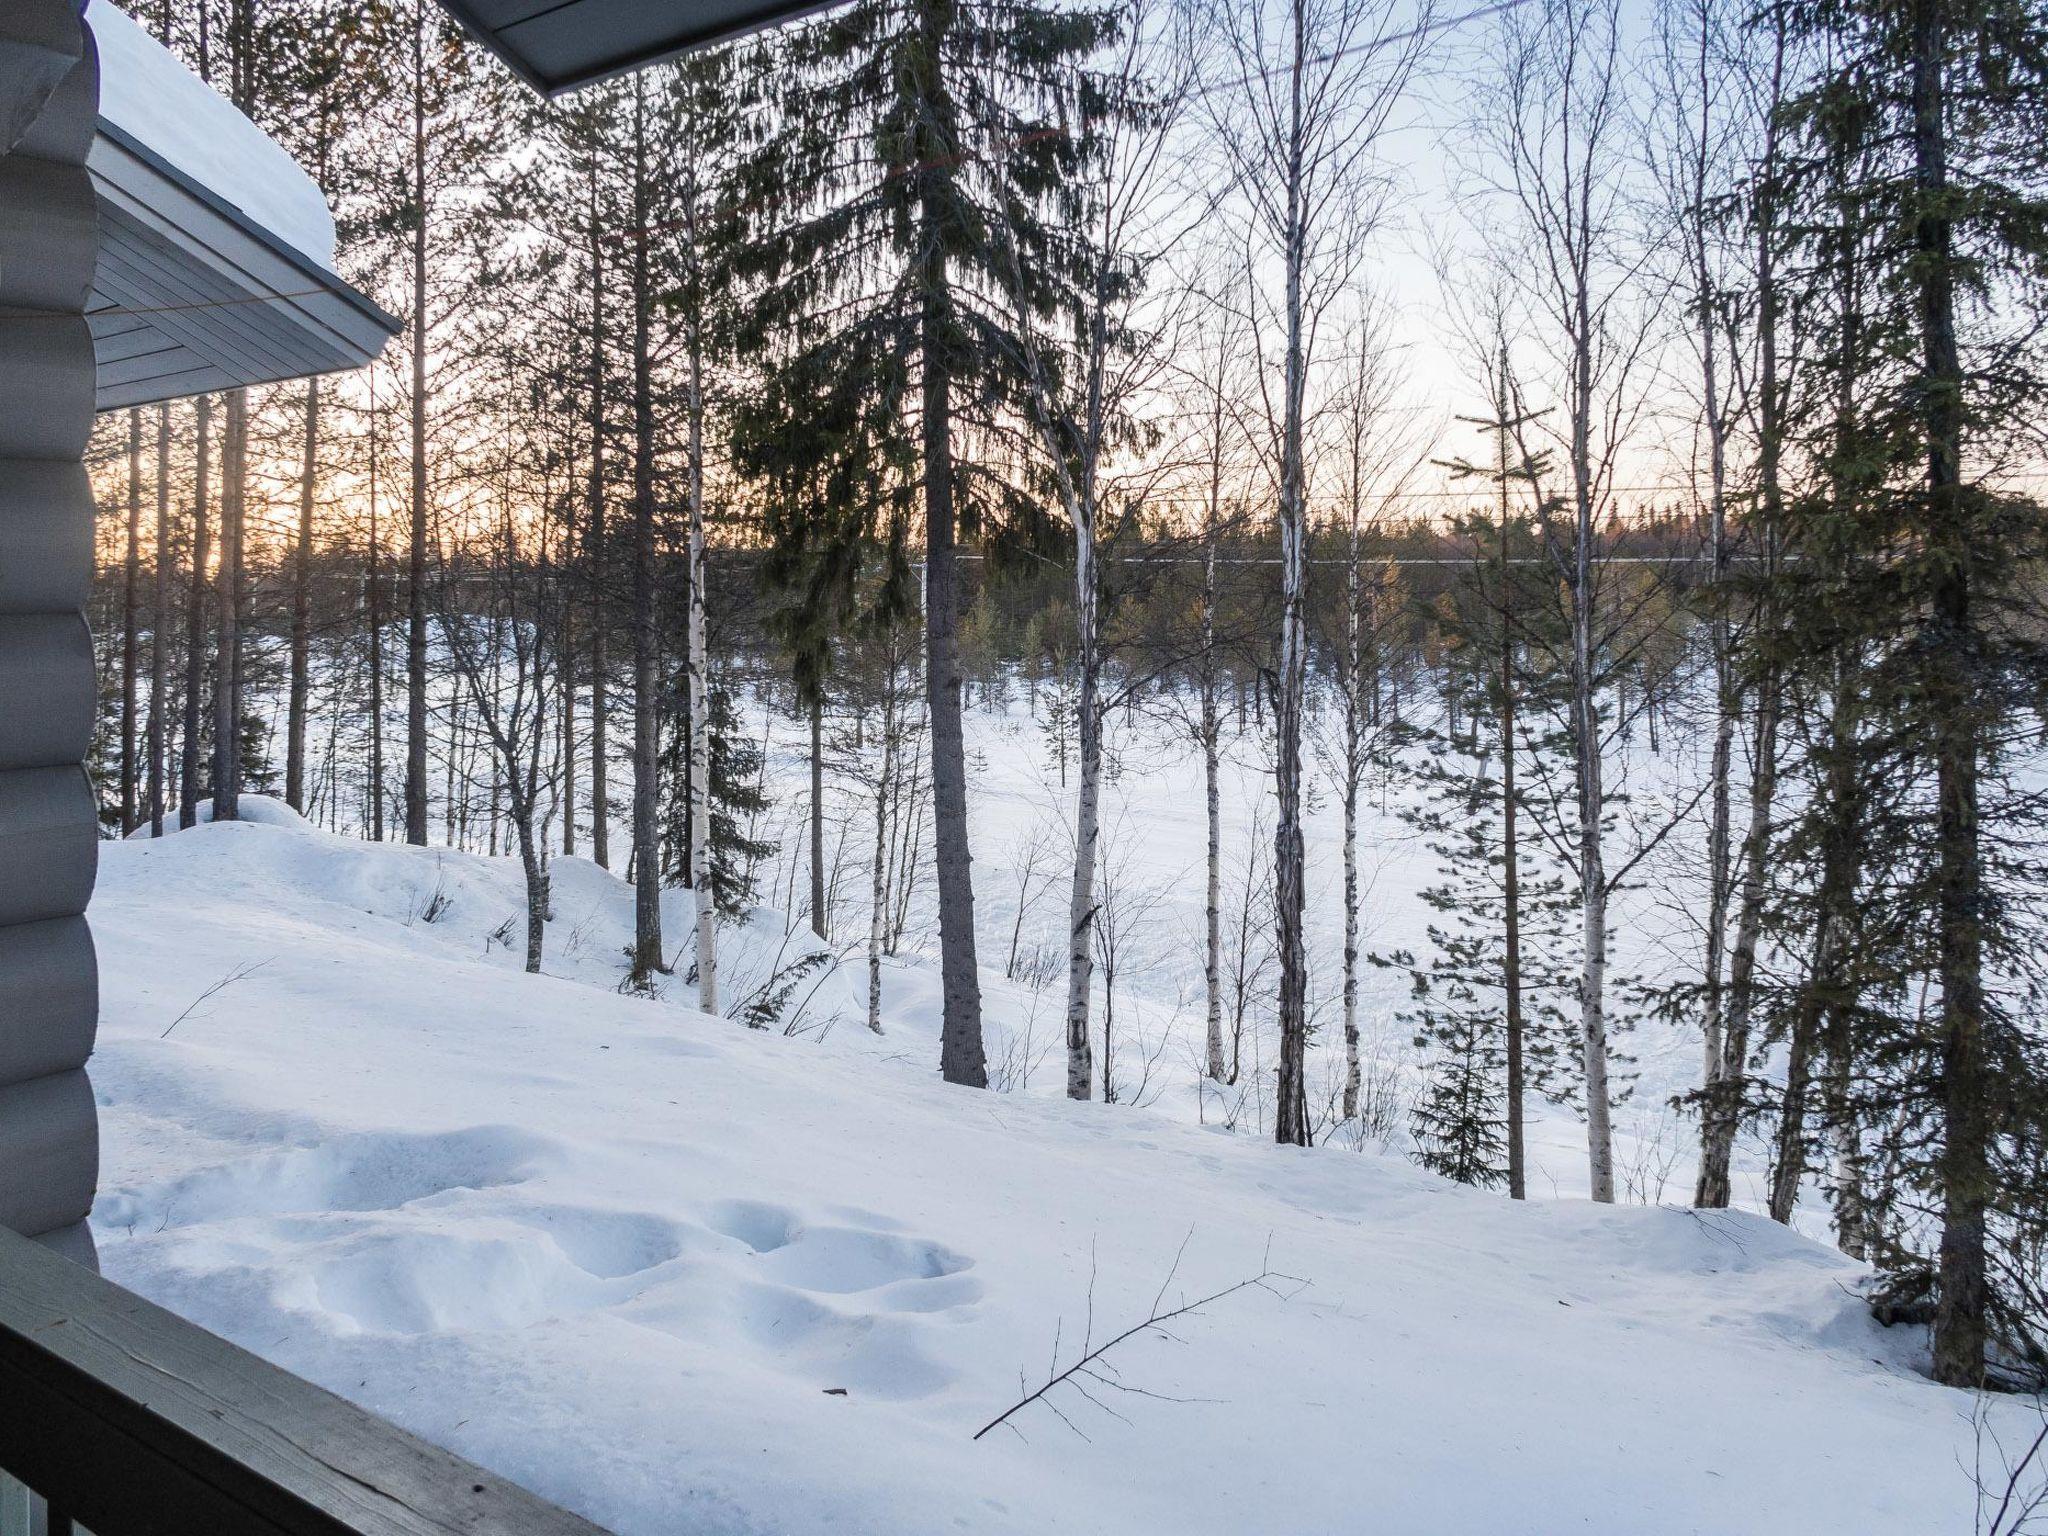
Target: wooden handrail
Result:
[[135, 1422]]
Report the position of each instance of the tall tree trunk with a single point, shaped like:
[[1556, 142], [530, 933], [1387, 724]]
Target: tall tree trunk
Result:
[[1212, 797], [1290, 1119], [566, 754], [818, 913], [878, 879], [536, 882], [1727, 707], [302, 610], [416, 552], [1825, 991], [1211, 735], [227, 684], [705, 897], [131, 640], [647, 955], [1354, 742], [1510, 840], [1845, 1141], [1728, 1056], [374, 601], [1081, 903], [1723, 1104], [1589, 768], [961, 1056], [1707, 318], [195, 618], [1960, 1330], [159, 622], [600, 721], [1789, 1168]]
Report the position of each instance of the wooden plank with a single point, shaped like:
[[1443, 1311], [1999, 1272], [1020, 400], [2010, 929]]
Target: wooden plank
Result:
[[178, 384], [316, 305], [139, 1423], [137, 341], [195, 306]]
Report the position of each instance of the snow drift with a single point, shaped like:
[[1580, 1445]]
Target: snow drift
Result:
[[679, 1275]]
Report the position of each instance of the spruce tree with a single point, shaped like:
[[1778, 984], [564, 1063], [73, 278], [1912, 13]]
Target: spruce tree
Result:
[[879, 310], [1488, 1001], [736, 800], [1934, 119]]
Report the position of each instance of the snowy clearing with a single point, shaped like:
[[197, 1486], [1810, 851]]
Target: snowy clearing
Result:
[[680, 1276]]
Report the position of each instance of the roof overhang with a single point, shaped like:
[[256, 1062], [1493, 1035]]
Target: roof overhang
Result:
[[190, 295], [558, 45], [215, 249]]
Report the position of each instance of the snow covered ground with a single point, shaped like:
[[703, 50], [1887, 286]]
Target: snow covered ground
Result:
[[681, 1276]]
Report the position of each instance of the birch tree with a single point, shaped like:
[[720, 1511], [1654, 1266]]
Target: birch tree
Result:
[[1302, 94], [1552, 122], [499, 630], [1691, 137], [1374, 459], [1766, 369], [195, 614], [1079, 401], [160, 626]]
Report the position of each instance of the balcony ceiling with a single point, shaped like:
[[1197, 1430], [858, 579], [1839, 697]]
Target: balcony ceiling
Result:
[[558, 45]]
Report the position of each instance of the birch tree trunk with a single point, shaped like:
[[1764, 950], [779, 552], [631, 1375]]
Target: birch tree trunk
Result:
[[1727, 707], [374, 604], [700, 702], [1211, 735], [878, 880], [131, 640], [302, 610], [1290, 1120], [159, 623], [1353, 752], [600, 714], [1588, 765], [416, 551], [1087, 809], [1511, 844], [817, 813], [566, 755], [227, 685], [1690, 62], [1726, 1074], [1212, 796]]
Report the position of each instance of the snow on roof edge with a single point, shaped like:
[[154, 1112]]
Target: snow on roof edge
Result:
[[150, 95]]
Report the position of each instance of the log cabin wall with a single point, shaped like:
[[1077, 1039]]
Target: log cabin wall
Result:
[[49, 989]]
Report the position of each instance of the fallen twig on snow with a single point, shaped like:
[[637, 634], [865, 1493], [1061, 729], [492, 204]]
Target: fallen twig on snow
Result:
[[239, 973], [1091, 1366]]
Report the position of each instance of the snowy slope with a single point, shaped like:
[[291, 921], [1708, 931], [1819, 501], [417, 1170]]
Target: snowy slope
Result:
[[633, 1256]]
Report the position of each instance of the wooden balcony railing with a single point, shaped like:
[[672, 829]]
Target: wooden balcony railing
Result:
[[130, 1421]]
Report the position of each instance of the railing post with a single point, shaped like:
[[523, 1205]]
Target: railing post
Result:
[[49, 992], [24, 1514]]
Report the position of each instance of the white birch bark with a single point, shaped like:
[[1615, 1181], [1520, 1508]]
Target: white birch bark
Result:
[[1212, 727], [700, 704], [878, 887]]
